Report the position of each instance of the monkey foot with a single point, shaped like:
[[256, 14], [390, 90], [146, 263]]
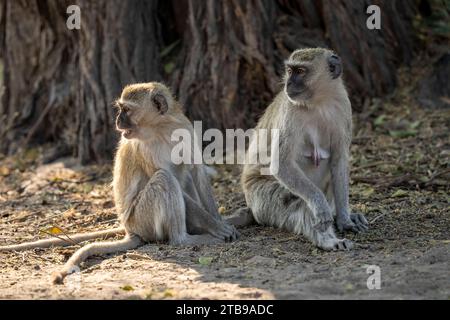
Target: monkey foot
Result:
[[360, 221], [226, 232], [336, 244], [357, 223]]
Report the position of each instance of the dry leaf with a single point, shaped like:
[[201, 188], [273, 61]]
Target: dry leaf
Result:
[[127, 288], [399, 193], [4, 171], [70, 214], [52, 230], [168, 293], [367, 192]]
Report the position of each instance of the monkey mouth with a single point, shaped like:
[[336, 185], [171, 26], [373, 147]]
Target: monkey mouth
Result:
[[127, 133], [297, 95], [294, 92]]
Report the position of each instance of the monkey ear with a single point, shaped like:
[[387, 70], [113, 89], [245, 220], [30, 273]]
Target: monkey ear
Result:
[[335, 66], [160, 103]]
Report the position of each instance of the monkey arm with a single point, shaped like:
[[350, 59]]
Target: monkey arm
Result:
[[294, 179], [203, 186], [291, 176], [127, 182], [340, 184]]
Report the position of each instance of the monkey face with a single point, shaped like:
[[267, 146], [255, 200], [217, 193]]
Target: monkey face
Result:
[[311, 73], [136, 118], [297, 78], [124, 122]]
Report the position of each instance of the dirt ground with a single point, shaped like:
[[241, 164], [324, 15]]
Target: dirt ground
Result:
[[400, 181]]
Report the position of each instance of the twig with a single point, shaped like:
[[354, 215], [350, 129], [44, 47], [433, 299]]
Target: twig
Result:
[[65, 233], [22, 217], [92, 178], [360, 139], [378, 217], [55, 236], [365, 179], [436, 175], [385, 182], [398, 180], [369, 165]]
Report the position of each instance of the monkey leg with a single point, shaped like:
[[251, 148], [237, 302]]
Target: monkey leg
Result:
[[200, 221], [159, 213], [275, 206]]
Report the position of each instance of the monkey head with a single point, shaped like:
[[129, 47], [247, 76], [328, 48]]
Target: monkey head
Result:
[[311, 72], [142, 108]]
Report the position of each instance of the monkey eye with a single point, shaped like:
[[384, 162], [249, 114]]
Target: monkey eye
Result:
[[301, 70], [297, 70]]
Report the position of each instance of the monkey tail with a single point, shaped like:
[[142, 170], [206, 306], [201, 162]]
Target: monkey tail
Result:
[[127, 243], [53, 242], [241, 218]]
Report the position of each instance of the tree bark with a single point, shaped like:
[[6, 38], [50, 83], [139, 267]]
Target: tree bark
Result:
[[223, 59], [60, 83]]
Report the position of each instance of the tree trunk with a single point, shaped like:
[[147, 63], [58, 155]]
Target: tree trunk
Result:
[[223, 59], [60, 83]]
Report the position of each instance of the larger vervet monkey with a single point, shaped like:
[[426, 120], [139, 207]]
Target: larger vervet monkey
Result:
[[311, 183], [155, 199]]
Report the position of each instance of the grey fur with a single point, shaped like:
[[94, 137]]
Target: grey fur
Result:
[[311, 185], [155, 199]]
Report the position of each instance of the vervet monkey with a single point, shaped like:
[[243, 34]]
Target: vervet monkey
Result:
[[155, 199], [311, 183]]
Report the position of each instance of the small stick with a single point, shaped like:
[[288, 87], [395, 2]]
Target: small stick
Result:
[[60, 238], [378, 217]]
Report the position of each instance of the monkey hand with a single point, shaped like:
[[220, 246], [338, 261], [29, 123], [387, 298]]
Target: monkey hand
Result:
[[354, 222], [323, 217]]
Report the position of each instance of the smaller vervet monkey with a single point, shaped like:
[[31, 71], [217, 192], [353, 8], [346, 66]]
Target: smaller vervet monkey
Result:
[[155, 199], [311, 183]]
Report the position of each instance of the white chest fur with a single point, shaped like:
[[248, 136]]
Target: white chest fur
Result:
[[314, 137], [315, 147]]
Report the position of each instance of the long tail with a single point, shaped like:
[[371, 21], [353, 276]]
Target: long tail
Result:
[[127, 243], [56, 242]]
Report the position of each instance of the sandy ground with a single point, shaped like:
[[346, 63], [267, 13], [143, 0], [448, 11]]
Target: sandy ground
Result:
[[400, 178]]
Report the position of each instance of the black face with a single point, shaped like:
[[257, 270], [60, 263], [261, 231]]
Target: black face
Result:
[[123, 122], [296, 80]]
